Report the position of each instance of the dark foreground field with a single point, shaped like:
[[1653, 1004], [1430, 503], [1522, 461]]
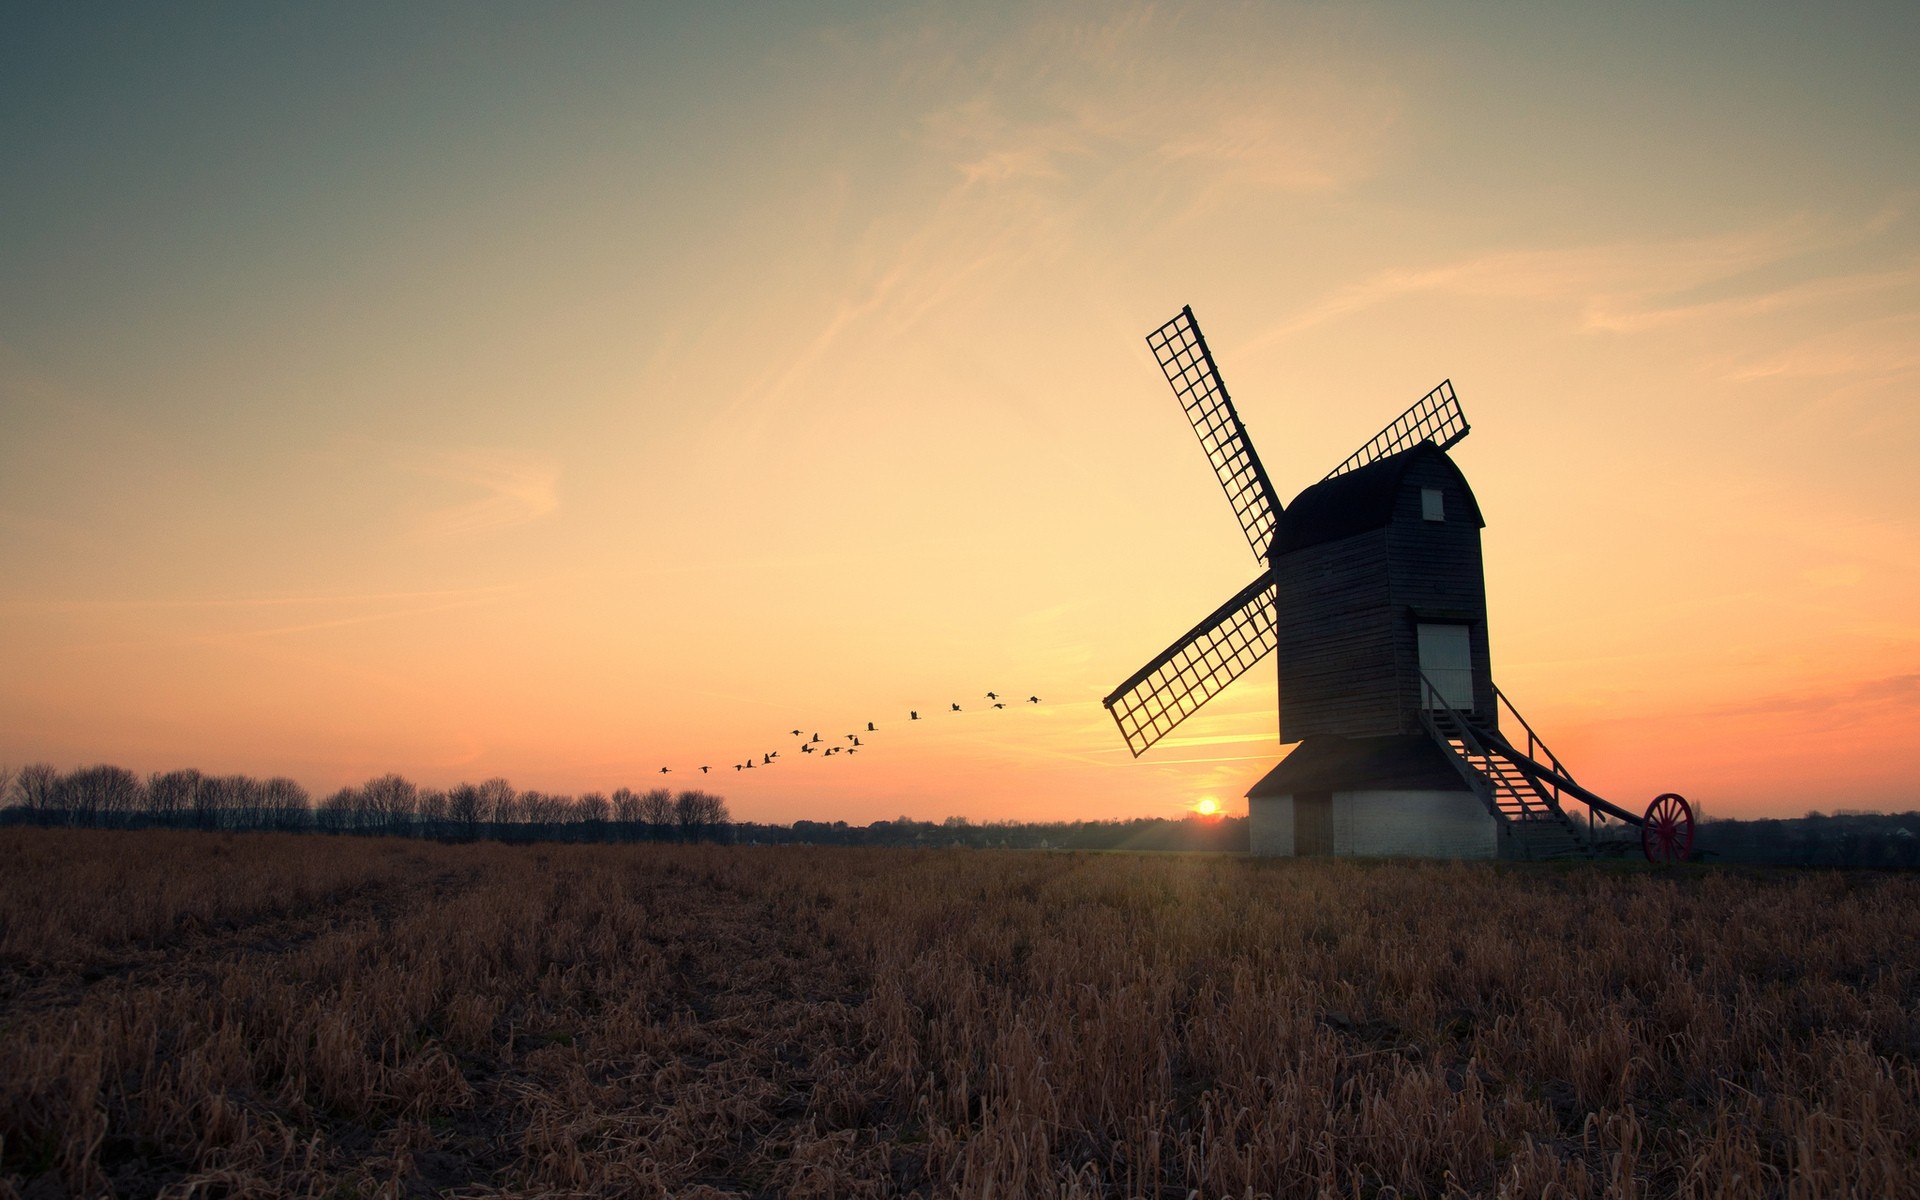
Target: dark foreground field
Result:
[[283, 1015]]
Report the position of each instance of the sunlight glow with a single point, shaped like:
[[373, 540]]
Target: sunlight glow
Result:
[[412, 450]]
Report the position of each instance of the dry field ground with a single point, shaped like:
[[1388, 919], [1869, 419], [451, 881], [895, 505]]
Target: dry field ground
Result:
[[281, 1015]]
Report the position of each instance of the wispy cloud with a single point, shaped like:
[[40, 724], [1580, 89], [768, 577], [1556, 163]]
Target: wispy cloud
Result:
[[1042, 125], [1217, 739], [1884, 694], [1207, 107], [1638, 285], [324, 600], [515, 489], [1880, 347]]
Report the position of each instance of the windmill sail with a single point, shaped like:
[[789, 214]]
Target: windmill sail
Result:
[[1436, 417], [1183, 355], [1196, 668]]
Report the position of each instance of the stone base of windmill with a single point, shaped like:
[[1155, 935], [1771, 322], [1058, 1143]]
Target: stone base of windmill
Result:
[[1377, 797]]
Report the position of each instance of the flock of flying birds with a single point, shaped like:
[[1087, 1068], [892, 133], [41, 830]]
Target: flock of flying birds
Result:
[[813, 745]]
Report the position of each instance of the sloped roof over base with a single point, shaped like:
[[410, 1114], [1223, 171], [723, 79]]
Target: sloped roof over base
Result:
[[1339, 764]]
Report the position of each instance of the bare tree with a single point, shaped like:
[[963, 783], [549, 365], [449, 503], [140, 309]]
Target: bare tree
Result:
[[209, 802], [391, 803], [714, 815], [657, 810], [710, 818], [340, 812], [7, 776], [434, 807], [101, 795], [544, 811], [284, 804], [171, 797], [242, 802], [590, 813], [497, 804], [467, 809], [39, 785], [700, 815], [626, 811]]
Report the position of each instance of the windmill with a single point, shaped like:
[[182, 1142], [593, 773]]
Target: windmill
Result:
[[1372, 596]]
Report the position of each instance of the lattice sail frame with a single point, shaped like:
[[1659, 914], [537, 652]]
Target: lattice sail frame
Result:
[[1182, 354], [1198, 667], [1436, 417]]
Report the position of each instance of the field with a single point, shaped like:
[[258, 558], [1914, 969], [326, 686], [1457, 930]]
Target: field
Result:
[[300, 1015]]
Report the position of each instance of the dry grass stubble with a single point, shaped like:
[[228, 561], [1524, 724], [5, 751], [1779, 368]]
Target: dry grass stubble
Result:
[[282, 1015]]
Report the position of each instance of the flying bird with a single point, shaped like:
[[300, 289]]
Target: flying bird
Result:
[[856, 741], [956, 708], [993, 695], [663, 770], [914, 715], [766, 760], [870, 728], [999, 704], [736, 766], [816, 737], [1033, 699], [796, 733], [703, 770]]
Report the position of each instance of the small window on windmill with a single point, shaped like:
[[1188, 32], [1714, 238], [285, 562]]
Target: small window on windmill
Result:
[[1433, 504]]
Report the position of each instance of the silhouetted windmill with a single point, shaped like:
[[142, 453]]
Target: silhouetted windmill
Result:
[[1372, 592]]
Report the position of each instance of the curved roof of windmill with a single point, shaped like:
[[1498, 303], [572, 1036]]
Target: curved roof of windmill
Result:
[[1360, 500]]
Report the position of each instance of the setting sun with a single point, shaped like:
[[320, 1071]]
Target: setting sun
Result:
[[1207, 807]]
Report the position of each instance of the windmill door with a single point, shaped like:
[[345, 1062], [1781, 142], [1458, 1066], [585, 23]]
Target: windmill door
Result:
[[1313, 823], [1446, 659]]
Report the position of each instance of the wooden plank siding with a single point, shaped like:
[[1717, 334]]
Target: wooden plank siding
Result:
[[1436, 574], [1336, 653], [1348, 652]]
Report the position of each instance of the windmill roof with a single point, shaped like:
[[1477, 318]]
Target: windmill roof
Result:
[[1357, 501], [1337, 764]]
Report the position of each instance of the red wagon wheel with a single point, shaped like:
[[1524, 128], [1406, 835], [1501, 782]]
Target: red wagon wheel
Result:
[[1667, 834]]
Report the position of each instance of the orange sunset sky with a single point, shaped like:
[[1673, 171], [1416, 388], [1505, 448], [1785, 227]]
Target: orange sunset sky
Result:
[[562, 392]]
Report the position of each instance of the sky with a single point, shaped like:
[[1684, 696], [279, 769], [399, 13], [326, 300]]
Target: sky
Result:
[[565, 392]]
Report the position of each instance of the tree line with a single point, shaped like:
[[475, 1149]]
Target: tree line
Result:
[[390, 805], [113, 797]]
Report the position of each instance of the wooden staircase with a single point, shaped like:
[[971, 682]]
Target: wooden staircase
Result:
[[1523, 789]]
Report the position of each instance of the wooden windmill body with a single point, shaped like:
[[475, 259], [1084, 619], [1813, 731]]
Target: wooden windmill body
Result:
[[1373, 600]]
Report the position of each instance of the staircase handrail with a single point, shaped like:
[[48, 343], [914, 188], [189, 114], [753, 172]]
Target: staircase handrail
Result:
[[1473, 739], [1552, 777], [1533, 739]]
